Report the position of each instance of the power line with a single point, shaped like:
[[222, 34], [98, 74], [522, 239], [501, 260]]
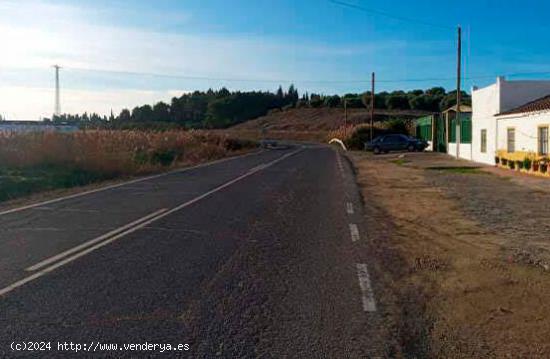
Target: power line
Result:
[[302, 81], [306, 81], [388, 15], [208, 78]]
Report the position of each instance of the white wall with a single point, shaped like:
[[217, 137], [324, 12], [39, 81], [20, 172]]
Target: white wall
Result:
[[489, 101], [465, 150], [526, 126], [485, 104], [430, 146]]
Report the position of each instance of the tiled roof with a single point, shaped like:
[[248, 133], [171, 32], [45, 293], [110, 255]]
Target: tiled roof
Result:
[[541, 104]]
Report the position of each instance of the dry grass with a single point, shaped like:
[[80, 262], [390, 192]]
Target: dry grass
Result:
[[32, 162], [453, 290], [256, 135], [319, 119], [120, 152]]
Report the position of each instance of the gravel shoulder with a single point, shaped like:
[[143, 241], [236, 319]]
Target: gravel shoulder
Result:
[[462, 251]]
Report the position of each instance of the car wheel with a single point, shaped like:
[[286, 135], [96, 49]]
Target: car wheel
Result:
[[410, 148], [376, 150]]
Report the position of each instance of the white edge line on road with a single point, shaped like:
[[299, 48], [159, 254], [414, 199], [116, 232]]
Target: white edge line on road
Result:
[[349, 208], [354, 231], [105, 188], [142, 224], [93, 241], [367, 295]]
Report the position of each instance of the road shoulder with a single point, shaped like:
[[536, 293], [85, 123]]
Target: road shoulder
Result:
[[454, 282]]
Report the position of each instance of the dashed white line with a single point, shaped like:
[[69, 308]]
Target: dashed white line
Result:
[[143, 223], [354, 231], [349, 208], [89, 243], [367, 295]]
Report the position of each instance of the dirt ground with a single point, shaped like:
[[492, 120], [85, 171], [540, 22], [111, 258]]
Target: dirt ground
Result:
[[460, 253]]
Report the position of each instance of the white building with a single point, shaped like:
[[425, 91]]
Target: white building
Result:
[[523, 131], [506, 99]]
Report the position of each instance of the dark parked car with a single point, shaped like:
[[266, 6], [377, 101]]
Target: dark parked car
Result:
[[387, 143]]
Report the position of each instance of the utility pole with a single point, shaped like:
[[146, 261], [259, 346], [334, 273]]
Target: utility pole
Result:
[[458, 92], [372, 107], [345, 113], [57, 111]]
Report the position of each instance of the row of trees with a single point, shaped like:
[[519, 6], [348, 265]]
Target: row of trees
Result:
[[210, 109], [222, 108], [434, 100]]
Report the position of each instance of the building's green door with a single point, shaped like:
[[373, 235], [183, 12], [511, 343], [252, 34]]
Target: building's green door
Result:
[[441, 145]]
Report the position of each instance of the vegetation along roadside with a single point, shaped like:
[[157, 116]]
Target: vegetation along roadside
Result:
[[42, 161]]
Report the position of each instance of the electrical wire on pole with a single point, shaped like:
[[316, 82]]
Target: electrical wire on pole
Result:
[[458, 92], [372, 107]]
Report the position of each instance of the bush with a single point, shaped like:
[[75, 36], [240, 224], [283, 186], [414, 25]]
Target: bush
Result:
[[234, 144], [527, 163], [511, 164], [164, 157], [397, 126], [519, 164], [497, 160], [544, 165], [360, 135]]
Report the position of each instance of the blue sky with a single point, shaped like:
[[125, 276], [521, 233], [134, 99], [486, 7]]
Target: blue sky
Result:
[[319, 45]]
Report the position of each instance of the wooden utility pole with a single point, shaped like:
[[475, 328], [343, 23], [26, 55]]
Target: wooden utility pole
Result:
[[458, 92], [372, 107], [345, 113]]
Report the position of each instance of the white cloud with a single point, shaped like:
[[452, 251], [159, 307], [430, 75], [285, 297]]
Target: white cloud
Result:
[[38, 34], [33, 103]]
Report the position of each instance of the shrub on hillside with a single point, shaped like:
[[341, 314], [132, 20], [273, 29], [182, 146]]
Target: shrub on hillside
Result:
[[397, 126]]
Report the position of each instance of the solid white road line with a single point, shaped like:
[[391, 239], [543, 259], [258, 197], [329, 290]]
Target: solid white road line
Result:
[[79, 194], [349, 208], [142, 224], [367, 295], [93, 241], [354, 231]]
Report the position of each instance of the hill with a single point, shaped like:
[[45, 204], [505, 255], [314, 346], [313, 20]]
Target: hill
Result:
[[320, 119]]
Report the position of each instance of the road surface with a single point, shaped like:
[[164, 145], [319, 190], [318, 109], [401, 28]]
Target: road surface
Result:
[[261, 255]]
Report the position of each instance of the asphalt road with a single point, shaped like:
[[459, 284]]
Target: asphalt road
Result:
[[256, 256]]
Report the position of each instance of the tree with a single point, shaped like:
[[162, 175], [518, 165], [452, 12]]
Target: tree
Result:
[[280, 94], [315, 100], [292, 95], [332, 101], [161, 112], [450, 100], [223, 92], [397, 101], [436, 91]]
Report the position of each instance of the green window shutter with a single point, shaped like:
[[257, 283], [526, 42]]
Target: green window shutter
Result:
[[466, 130]]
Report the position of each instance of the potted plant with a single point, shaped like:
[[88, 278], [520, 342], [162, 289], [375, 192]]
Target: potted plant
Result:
[[544, 165], [504, 161], [519, 164], [512, 165], [497, 160], [527, 163]]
